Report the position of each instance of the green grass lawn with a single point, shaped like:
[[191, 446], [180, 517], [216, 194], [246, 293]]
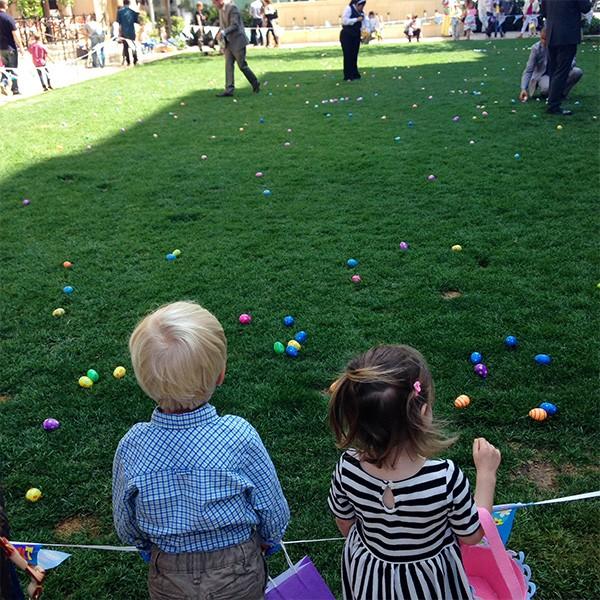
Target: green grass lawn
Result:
[[115, 202]]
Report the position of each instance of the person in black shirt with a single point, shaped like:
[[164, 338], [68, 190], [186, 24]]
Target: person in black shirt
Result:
[[352, 20], [10, 46]]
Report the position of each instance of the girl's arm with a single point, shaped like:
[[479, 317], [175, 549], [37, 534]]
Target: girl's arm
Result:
[[344, 525], [487, 460]]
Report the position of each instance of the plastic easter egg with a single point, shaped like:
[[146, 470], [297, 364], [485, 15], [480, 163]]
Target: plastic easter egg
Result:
[[481, 370], [542, 359], [352, 262], [356, 278], [259, 174], [26, 202], [456, 248], [411, 124], [288, 320], [33, 494], [550, 408], [291, 351], [58, 312], [476, 357], [462, 401], [559, 127], [119, 372], [67, 264], [517, 156], [68, 289], [85, 382], [245, 319], [170, 257], [278, 348], [431, 177], [93, 375], [176, 253], [50, 424], [295, 344], [510, 341], [261, 120], [267, 193], [404, 246], [456, 118], [204, 157], [301, 337], [538, 414]]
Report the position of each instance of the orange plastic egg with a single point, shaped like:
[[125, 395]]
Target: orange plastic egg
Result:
[[538, 414], [67, 264], [462, 401]]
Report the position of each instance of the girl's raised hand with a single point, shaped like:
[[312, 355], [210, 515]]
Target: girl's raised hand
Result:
[[485, 456]]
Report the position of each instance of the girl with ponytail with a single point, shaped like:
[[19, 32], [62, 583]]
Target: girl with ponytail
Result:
[[401, 510]]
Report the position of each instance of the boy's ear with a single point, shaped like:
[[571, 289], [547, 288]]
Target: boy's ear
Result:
[[221, 377]]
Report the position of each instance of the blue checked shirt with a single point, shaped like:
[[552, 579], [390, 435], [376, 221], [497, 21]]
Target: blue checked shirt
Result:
[[195, 482]]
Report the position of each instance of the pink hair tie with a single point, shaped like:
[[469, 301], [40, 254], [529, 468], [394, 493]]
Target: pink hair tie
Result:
[[417, 386]]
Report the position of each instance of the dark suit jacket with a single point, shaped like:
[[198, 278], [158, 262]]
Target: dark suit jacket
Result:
[[563, 20]]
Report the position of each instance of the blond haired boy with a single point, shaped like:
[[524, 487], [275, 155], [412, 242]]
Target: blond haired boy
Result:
[[197, 490]]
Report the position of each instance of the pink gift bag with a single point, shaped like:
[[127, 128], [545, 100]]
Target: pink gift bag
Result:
[[301, 581], [494, 572]]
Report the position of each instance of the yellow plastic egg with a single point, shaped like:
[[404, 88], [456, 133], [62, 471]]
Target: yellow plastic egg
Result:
[[462, 401], [33, 494], [176, 252], [538, 414], [559, 127], [85, 382], [456, 248], [295, 344], [58, 312], [119, 372]]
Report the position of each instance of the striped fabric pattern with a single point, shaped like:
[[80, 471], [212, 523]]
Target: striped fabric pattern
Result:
[[409, 551]]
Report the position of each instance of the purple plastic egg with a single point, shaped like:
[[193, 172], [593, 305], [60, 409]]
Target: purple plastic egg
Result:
[[50, 424], [481, 370], [403, 245], [26, 202]]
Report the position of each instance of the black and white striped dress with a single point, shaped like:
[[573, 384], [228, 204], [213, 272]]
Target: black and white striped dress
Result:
[[410, 551]]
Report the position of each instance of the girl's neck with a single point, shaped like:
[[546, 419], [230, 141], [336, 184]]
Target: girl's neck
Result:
[[401, 466]]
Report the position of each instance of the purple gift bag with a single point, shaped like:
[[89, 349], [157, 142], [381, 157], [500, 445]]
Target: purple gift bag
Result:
[[301, 581]]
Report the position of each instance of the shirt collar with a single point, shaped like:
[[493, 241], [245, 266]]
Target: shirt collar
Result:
[[207, 413]]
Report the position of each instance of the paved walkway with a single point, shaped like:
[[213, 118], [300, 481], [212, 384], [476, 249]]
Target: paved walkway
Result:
[[73, 72]]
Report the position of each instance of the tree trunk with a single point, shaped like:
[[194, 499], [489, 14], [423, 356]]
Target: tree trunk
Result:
[[168, 17]]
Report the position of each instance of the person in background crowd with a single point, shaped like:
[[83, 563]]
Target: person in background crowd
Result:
[[470, 19], [95, 33], [39, 55], [352, 19], [456, 16], [271, 18], [232, 35], [127, 18], [563, 34], [256, 14], [531, 10], [198, 22], [10, 46], [535, 77]]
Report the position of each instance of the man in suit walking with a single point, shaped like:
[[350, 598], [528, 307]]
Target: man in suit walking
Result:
[[231, 33], [535, 76], [563, 32]]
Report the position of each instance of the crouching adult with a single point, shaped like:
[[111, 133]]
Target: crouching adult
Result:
[[536, 76]]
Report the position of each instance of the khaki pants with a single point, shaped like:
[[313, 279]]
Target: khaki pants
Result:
[[239, 56], [236, 573], [542, 87]]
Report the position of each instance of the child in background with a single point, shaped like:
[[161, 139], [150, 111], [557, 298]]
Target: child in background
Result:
[[401, 511], [470, 19], [39, 55], [196, 489]]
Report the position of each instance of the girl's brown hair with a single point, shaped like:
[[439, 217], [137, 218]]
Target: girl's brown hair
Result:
[[376, 406]]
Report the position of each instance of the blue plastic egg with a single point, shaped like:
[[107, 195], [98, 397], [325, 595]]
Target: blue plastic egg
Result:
[[171, 257], [261, 120], [550, 408], [291, 351], [510, 341], [301, 337], [476, 357], [542, 359], [411, 124], [352, 262], [68, 289], [266, 193], [288, 320]]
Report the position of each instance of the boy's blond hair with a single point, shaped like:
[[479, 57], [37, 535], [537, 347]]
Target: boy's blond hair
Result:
[[178, 353]]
